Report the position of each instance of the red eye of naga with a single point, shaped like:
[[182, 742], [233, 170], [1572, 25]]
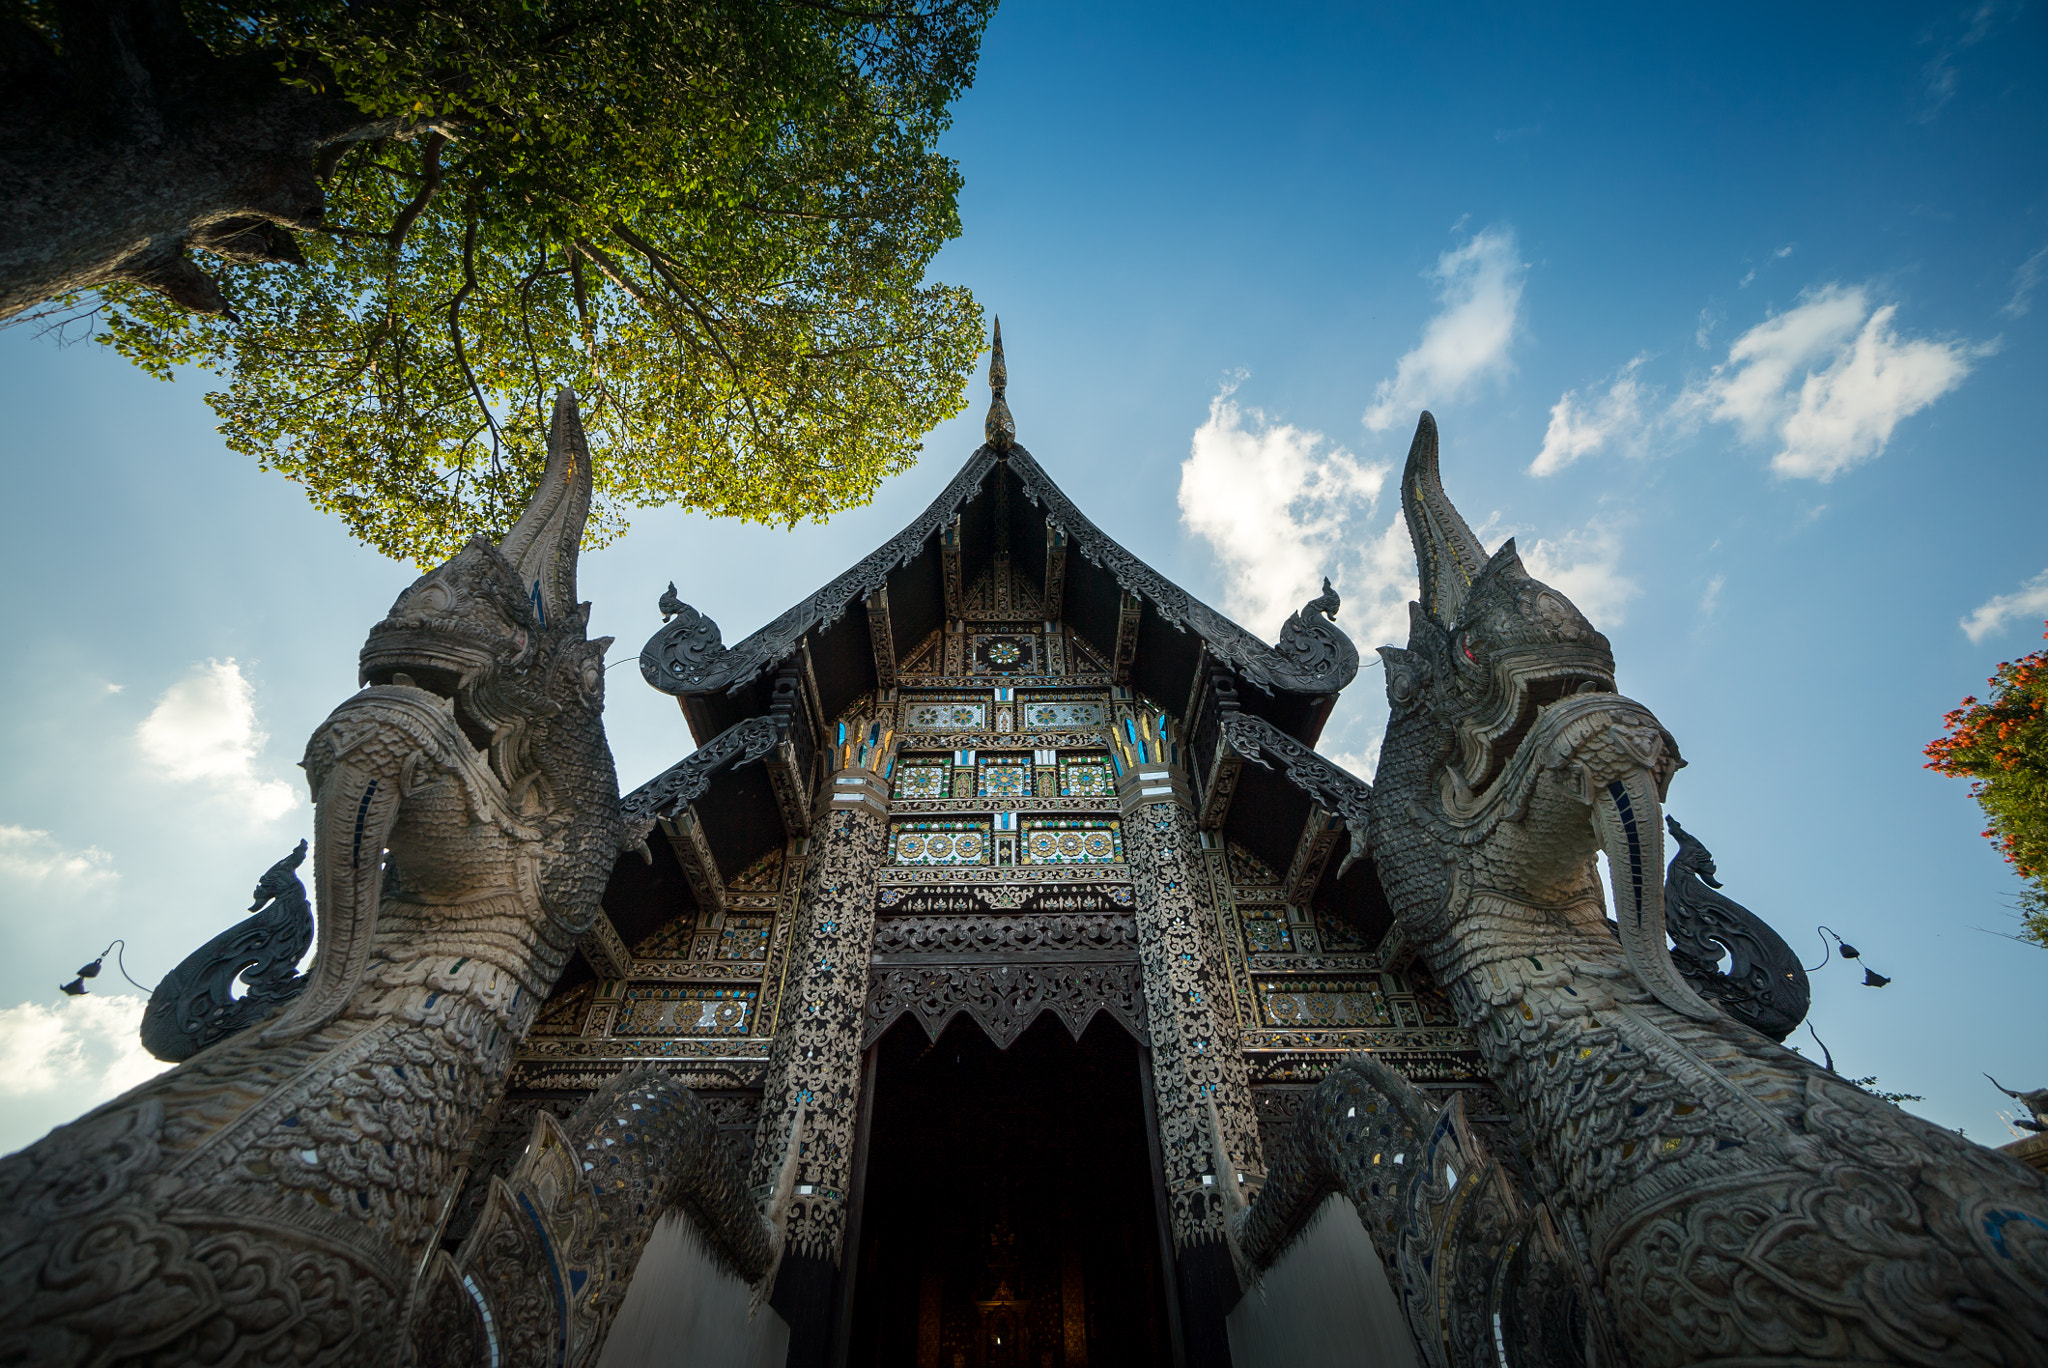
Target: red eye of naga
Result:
[[1466, 646]]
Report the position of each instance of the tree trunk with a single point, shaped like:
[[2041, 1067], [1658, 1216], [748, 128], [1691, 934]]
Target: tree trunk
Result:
[[135, 143]]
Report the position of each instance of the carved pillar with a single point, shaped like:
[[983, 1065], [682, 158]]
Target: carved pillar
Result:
[[816, 1056], [1196, 1048]]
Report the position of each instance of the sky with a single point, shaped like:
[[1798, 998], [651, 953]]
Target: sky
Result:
[[1734, 316]]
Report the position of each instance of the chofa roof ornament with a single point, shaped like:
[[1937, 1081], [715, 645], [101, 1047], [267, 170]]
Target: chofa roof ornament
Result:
[[1000, 428]]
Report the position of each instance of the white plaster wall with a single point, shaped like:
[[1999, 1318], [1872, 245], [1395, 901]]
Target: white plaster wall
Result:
[[682, 1308], [1327, 1304]]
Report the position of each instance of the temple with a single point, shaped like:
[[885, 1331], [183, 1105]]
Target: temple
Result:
[[1006, 860], [1003, 981]]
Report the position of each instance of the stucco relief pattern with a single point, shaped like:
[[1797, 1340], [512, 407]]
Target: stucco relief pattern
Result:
[[1196, 1054], [815, 1058]]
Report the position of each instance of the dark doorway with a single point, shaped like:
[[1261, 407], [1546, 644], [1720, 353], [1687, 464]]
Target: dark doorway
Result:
[[1008, 1217]]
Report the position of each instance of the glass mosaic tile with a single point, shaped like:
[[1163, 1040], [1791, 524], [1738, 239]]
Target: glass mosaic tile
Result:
[[939, 843], [1086, 776], [744, 938], [1343, 1003], [924, 781], [1056, 716], [1248, 869], [1082, 840], [1004, 777], [1265, 931], [684, 1009], [935, 717]]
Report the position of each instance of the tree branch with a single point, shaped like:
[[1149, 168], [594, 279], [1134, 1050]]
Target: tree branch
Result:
[[430, 163], [455, 332]]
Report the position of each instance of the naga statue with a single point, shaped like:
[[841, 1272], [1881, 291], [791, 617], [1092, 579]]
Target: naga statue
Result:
[[1724, 1200], [276, 1198]]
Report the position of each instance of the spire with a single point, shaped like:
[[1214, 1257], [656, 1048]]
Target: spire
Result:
[[1001, 428]]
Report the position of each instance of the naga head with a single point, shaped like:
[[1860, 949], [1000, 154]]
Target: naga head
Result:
[[1692, 857], [495, 625], [1518, 688], [280, 879]]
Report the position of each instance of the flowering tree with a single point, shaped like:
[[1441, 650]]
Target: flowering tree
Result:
[[2001, 744]]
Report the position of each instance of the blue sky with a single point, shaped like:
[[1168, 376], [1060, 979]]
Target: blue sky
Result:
[[1733, 316]]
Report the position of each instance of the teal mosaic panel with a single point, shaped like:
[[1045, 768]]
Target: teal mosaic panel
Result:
[[1266, 931], [939, 843], [924, 781], [744, 938], [1004, 776], [1076, 840], [1086, 776]]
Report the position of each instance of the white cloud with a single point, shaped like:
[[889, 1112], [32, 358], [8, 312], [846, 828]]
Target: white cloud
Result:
[[2025, 281], [1580, 427], [1362, 763], [2029, 601], [1273, 500], [1940, 78], [1585, 566], [1479, 288], [60, 1061], [36, 856], [1828, 380], [1710, 598], [204, 731]]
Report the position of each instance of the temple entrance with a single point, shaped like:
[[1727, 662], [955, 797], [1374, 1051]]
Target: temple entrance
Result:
[[1008, 1216]]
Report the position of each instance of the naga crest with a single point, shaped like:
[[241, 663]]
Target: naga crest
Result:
[[1489, 645], [497, 628]]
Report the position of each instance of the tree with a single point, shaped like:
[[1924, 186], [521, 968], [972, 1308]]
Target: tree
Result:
[[711, 217], [2002, 745]]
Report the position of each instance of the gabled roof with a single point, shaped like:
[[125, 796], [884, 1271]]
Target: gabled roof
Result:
[[1161, 638]]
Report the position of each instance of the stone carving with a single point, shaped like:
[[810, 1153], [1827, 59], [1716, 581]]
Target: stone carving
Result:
[[195, 1004], [686, 655], [1734, 1201], [544, 1270], [1765, 985], [1483, 1277], [274, 1198], [1005, 998]]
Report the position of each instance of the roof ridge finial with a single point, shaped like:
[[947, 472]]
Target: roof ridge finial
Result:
[[1001, 428]]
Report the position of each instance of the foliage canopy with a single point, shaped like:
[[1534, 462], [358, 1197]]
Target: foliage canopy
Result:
[[711, 218], [2001, 744]]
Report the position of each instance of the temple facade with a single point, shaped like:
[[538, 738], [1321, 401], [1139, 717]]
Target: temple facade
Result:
[[1003, 981], [1001, 866]]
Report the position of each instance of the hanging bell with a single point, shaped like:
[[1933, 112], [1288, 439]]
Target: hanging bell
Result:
[[75, 988], [1848, 951], [1873, 979], [92, 970]]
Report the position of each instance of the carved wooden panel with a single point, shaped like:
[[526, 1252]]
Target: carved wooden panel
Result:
[[1003, 998]]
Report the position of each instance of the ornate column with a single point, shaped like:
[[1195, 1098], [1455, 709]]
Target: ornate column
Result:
[[1197, 1055], [815, 1059]]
